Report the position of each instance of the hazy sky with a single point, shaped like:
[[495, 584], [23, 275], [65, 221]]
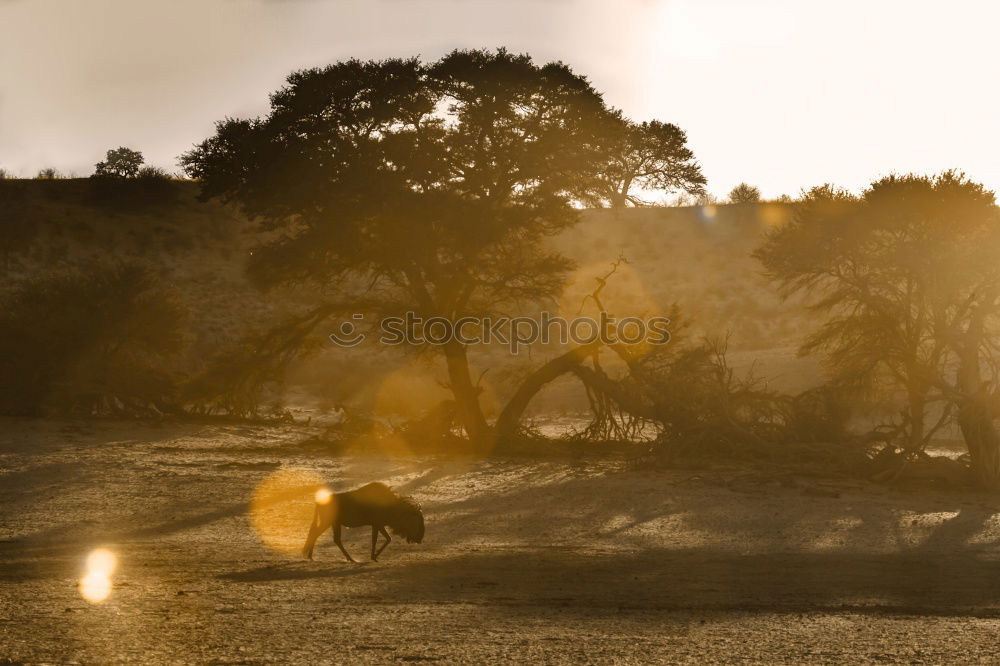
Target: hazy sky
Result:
[[781, 93]]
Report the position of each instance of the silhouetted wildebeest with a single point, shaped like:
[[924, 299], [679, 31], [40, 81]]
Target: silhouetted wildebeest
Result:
[[374, 504]]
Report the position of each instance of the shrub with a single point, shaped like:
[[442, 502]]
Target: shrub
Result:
[[91, 342], [744, 194], [48, 174], [150, 186]]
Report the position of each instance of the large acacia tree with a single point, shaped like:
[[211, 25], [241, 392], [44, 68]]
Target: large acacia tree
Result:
[[398, 185], [907, 280]]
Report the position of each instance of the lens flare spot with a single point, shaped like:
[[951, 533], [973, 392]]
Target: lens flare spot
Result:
[[324, 495], [102, 561], [95, 586], [774, 215], [282, 506], [709, 212]]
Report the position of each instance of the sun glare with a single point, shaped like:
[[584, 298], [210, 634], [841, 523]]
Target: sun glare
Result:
[[102, 561], [95, 586], [282, 506], [323, 496]]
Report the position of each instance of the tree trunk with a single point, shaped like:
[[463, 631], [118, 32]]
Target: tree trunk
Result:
[[982, 440], [620, 198], [511, 415], [975, 408], [571, 361], [917, 406], [466, 394]]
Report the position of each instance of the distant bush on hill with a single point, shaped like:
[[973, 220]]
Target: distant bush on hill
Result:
[[120, 163], [744, 193], [121, 178], [150, 186]]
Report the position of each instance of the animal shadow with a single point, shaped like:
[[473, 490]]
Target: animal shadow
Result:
[[291, 572]]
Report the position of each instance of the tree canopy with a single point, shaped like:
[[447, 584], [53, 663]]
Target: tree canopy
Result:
[[904, 274], [402, 185], [120, 163]]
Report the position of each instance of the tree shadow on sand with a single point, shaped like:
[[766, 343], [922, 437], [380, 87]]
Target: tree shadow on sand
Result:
[[697, 578], [547, 544], [556, 535]]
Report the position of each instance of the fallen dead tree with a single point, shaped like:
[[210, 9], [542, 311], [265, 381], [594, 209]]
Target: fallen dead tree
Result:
[[697, 407], [692, 401]]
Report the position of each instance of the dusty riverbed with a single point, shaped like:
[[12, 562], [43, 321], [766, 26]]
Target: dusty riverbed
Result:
[[554, 561]]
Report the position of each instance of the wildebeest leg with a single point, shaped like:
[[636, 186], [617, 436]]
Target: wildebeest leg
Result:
[[374, 541], [314, 531], [336, 540], [387, 540]]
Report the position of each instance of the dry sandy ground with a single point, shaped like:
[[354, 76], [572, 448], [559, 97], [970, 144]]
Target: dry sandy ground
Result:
[[568, 561]]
